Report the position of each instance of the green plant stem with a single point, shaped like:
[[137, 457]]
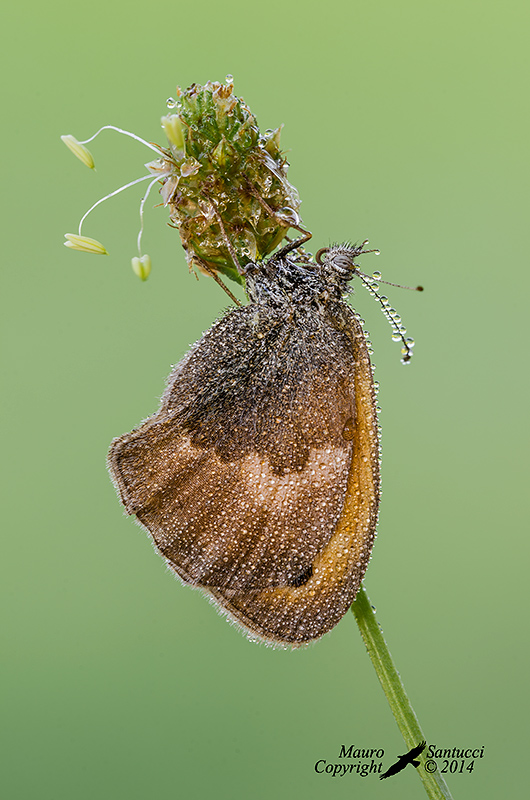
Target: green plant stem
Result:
[[394, 690]]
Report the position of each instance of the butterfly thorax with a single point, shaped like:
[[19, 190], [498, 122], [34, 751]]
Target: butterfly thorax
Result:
[[296, 282]]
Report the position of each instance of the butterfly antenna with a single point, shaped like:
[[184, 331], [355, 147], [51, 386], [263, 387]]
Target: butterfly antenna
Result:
[[398, 329], [377, 277]]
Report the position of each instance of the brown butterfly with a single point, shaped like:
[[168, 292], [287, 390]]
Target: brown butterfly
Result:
[[258, 477]]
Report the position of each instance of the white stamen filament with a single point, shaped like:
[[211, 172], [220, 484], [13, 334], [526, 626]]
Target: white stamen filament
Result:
[[144, 198], [117, 191], [125, 133]]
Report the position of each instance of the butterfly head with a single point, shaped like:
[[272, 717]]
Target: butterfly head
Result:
[[337, 263]]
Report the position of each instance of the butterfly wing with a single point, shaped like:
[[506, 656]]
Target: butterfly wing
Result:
[[258, 476]]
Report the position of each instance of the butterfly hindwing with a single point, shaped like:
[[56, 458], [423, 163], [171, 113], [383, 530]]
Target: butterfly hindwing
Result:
[[249, 477]]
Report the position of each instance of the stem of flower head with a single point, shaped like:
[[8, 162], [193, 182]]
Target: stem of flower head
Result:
[[394, 690]]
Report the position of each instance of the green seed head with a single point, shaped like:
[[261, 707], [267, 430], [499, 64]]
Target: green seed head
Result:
[[225, 183]]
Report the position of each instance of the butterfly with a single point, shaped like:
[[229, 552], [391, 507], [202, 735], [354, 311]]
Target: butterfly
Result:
[[258, 476]]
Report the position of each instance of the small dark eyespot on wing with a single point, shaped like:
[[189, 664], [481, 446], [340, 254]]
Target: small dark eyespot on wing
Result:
[[302, 578], [348, 432]]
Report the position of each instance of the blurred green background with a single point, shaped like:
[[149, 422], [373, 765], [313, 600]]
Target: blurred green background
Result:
[[408, 124]]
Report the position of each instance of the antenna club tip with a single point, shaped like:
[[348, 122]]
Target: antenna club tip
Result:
[[419, 288]]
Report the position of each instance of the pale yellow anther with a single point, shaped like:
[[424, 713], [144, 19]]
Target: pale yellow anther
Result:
[[84, 243], [173, 130], [141, 266], [79, 150]]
